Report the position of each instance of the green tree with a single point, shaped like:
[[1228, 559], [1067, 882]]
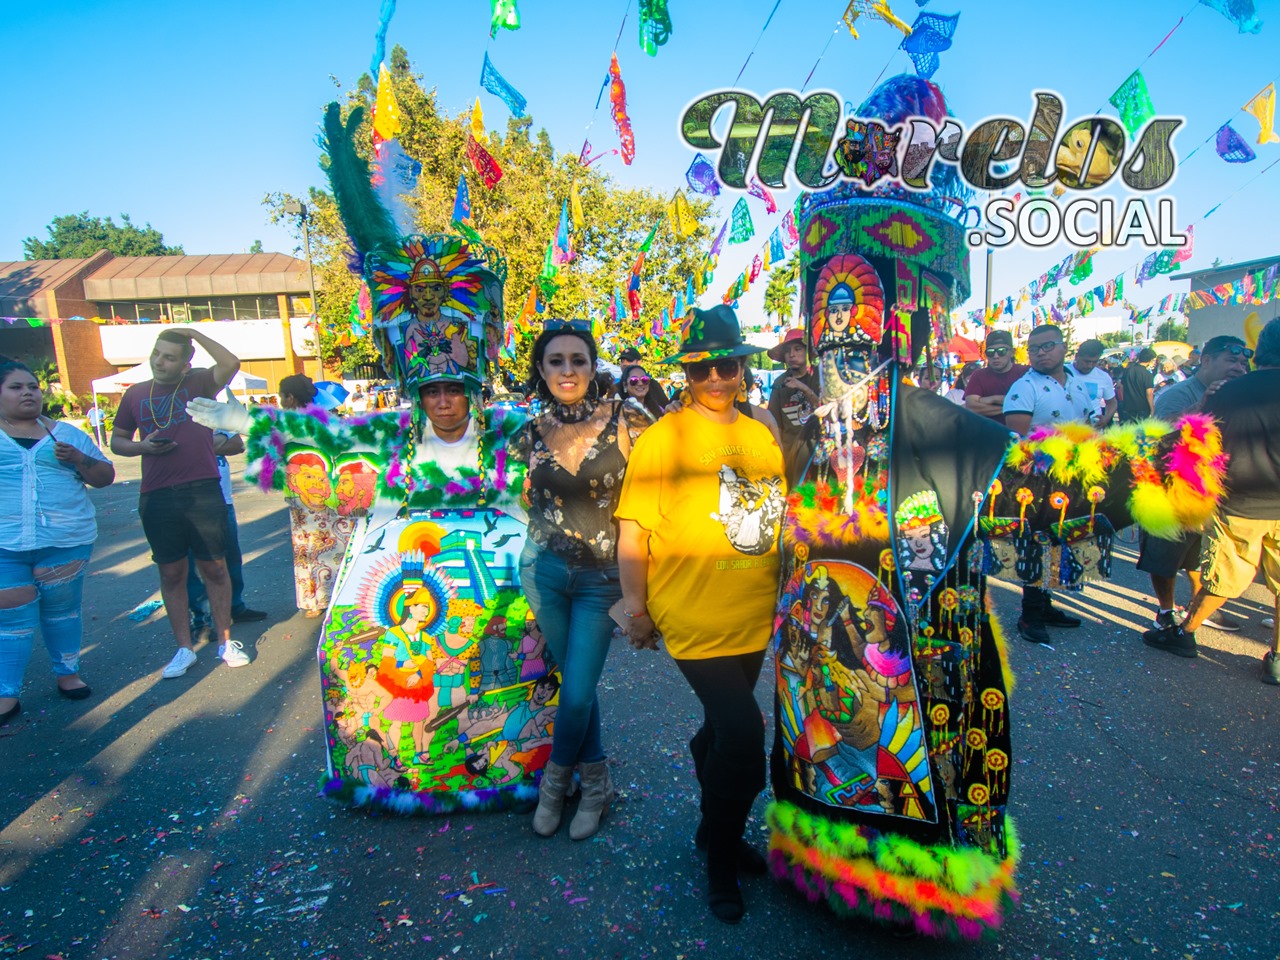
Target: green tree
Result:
[[255, 247], [1172, 330], [780, 294], [80, 235], [518, 217]]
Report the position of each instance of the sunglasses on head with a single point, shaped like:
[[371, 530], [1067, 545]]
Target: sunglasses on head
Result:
[[582, 326], [999, 351], [727, 369], [1043, 347], [638, 381]]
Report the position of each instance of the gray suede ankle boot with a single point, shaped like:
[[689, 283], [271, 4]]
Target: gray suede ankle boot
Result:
[[597, 794], [551, 791]]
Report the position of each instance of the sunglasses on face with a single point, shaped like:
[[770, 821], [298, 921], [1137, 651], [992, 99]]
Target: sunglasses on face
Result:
[[725, 369], [582, 326], [638, 381], [1238, 351], [998, 351], [1043, 347]]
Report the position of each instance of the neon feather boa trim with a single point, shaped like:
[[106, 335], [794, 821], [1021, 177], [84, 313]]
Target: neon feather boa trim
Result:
[[389, 438], [407, 803], [816, 517], [1177, 469], [942, 891]]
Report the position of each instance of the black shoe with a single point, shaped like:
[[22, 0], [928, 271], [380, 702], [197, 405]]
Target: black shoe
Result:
[[1173, 640], [10, 714], [1051, 616], [750, 860], [724, 896], [76, 693], [245, 615], [1034, 631], [200, 629]]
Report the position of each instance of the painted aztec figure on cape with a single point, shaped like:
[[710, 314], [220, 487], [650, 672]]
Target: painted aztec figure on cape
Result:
[[438, 690], [892, 757]]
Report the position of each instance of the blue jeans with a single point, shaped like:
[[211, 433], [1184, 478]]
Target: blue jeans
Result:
[[196, 596], [572, 607], [55, 609]]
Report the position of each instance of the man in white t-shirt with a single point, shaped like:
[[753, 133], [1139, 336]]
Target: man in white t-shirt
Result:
[[1047, 394], [1097, 383]]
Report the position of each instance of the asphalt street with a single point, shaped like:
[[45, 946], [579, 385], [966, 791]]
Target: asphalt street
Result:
[[180, 818]]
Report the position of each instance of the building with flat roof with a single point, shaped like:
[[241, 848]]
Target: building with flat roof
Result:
[[95, 316], [1227, 319]]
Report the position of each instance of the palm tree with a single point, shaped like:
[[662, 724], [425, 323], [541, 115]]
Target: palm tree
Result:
[[781, 291]]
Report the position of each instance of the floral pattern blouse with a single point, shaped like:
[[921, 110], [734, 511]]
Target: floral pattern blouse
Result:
[[571, 510]]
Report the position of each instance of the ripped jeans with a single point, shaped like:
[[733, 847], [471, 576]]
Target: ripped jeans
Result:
[[38, 589]]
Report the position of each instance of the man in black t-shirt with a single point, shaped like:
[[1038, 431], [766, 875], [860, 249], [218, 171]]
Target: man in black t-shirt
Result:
[[1245, 535], [1137, 388]]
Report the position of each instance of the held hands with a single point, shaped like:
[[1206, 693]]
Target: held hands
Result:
[[641, 634], [231, 417]]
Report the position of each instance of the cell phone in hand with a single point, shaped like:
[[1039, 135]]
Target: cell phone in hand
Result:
[[163, 441]]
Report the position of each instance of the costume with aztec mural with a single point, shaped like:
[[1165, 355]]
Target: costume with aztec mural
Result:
[[439, 692], [892, 756]]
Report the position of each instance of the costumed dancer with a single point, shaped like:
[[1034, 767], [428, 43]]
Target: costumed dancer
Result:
[[437, 692], [892, 759]]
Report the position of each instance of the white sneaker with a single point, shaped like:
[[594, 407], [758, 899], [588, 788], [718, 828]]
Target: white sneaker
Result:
[[182, 661], [1268, 622], [232, 653]]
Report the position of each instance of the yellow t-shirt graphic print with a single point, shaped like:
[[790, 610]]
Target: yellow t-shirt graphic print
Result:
[[712, 497]]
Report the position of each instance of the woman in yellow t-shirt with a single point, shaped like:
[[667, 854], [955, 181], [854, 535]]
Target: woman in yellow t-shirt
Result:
[[701, 509]]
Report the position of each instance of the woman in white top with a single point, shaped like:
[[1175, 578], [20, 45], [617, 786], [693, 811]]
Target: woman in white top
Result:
[[47, 539]]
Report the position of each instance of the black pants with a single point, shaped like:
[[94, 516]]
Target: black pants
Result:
[[728, 750], [1035, 603]]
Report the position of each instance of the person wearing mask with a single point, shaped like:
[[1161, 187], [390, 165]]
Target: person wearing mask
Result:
[[701, 510], [634, 384], [1047, 394], [793, 400], [986, 388], [577, 450], [180, 504], [1224, 359], [48, 535], [1137, 387], [1098, 383]]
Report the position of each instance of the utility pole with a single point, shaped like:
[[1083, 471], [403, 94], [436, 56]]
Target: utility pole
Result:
[[299, 209]]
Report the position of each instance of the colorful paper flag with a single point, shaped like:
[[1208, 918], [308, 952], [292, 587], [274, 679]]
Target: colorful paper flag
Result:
[[681, 217], [505, 15], [618, 100], [758, 189], [1232, 147], [462, 201], [386, 112], [1133, 103], [701, 177], [930, 35], [791, 235], [385, 14], [1263, 108], [743, 229], [496, 84], [777, 249], [575, 206], [549, 277], [485, 165], [1240, 12], [718, 244], [477, 124], [648, 241], [655, 25], [1183, 254], [563, 252]]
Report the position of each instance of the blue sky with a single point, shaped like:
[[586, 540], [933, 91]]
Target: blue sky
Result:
[[185, 115]]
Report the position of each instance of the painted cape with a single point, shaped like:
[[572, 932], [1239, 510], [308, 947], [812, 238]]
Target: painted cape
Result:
[[891, 760]]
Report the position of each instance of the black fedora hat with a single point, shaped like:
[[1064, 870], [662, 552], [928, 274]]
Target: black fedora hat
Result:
[[710, 335]]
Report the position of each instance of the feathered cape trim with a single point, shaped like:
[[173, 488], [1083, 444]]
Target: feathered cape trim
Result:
[[941, 891], [407, 803], [1177, 470], [388, 438]]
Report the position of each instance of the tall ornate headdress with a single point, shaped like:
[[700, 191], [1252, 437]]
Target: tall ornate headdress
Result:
[[437, 300]]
